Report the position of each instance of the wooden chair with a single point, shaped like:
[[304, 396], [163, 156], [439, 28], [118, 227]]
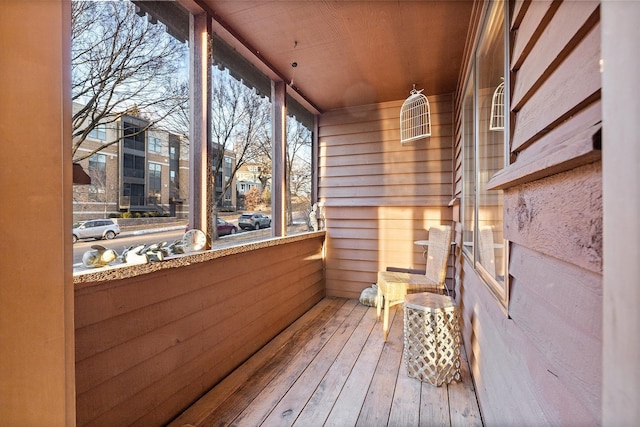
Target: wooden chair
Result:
[[393, 286]]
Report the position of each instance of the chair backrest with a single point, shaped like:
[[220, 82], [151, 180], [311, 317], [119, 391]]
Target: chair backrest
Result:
[[438, 253]]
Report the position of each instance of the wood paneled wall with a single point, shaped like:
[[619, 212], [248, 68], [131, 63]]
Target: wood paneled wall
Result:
[[149, 346], [541, 365], [378, 195]]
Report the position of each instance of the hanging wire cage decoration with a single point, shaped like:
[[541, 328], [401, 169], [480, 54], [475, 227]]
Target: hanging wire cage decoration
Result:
[[415, 117], [497, 108]]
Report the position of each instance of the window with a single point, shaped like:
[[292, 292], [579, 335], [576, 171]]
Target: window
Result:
[[133, 166], [155, 182], [484, 154], [98, 172], [98, 162], [154, 144], [135, 192], [298, 176], [144, 68], [228, 161], [133, 137], [469, 168], [99, 132]]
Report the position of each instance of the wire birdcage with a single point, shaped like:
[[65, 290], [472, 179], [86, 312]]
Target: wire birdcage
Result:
[[497, 108], [415, 117]]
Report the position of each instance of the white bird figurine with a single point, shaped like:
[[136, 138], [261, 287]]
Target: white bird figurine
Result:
[[133, 255]]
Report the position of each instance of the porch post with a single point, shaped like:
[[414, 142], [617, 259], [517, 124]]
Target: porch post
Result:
[[621, 210], [200, 196], [37, 350], [279, 138], [315, 155]]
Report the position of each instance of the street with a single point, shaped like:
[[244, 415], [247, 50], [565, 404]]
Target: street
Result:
[[125, 240], [128, 239]]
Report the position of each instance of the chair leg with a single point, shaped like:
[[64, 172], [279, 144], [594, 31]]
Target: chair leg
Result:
[[385, 323], [378, 303]]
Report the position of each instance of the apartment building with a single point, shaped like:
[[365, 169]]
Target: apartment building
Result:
[[141, 170]]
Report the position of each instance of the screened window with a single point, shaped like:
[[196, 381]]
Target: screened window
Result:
[[298, 176], [484, 153]]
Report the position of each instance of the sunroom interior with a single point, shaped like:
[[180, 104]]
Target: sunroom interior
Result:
[[141, 345]]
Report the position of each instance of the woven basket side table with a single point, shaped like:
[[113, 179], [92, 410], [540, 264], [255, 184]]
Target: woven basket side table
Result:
[[432, 338]]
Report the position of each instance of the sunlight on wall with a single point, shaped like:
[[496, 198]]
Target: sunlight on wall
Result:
[[398, 229]]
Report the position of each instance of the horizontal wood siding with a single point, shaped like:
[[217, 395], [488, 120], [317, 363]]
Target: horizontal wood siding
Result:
[[380, 196], [541, 365], [149, 346]]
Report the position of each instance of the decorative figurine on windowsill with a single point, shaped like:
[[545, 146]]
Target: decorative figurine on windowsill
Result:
[[313, 217], [132, 255], [98, 257]]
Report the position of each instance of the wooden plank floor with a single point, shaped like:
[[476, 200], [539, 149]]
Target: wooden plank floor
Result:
[[332, 368]]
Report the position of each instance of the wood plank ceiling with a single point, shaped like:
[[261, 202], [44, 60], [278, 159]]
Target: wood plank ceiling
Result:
[[349, 53]]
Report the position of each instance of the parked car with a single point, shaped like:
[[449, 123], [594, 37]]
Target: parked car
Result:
[[96, 229], [225, 228], [253, 221]]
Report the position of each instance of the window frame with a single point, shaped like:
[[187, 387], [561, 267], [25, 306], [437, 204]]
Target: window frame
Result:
[[154, 177], [99, 132], [154, 144], [499, 289]]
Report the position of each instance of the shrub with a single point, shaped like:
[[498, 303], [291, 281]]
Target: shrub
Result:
[[252, 199]]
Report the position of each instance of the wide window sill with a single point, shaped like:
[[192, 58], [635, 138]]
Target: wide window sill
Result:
[[120, 270], [579, 149]]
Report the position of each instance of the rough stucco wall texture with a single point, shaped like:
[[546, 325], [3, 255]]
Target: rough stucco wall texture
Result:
[[560, 216]]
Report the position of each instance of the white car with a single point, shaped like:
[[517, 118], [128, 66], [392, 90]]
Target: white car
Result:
[[253, 221], [96, 229]]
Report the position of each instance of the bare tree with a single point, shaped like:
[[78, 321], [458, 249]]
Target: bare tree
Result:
[[297, 163], [298, 166], [238, 116], [122, 63]]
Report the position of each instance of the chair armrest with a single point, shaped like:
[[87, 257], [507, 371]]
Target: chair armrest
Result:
[[405, 270]]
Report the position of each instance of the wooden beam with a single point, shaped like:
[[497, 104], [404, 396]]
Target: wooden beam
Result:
[[315, 157], [37, 385], [621, 204], [200, 98], [279, 144]]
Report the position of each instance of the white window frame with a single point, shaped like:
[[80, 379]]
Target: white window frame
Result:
[[499, 289]]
